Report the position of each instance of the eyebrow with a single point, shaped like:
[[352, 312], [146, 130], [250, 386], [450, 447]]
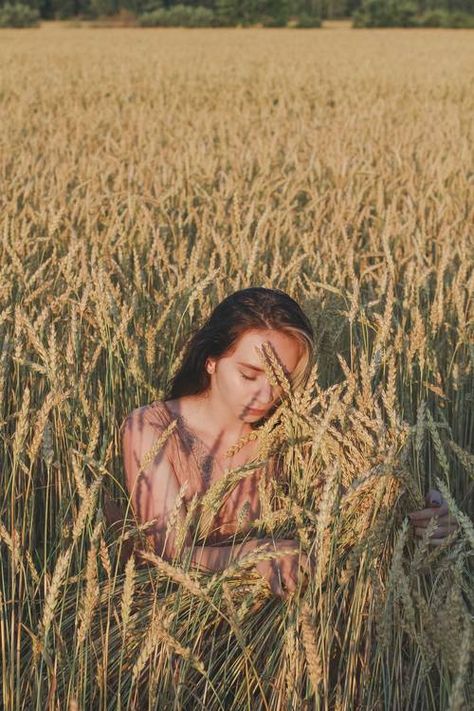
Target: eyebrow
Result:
[[253, 367], [259, 370]]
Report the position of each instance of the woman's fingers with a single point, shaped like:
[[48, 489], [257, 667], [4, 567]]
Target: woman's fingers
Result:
[[290, 583], [436, 541], [303, 560], [275, 579], [426, 514], [437, 508], [446, 520], [290, 576], [286, 573], [440, 532]]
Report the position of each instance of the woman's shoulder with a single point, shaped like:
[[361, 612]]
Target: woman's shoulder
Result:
[[153, 415]]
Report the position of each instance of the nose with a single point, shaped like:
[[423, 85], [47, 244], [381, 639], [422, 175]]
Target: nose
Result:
[[265, 394]]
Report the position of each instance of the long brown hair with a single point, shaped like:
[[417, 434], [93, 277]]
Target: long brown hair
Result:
[[254, 307]]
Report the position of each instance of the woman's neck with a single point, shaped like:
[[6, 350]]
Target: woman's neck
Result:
[[208, 416]]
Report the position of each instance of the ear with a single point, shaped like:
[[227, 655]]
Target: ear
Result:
[[210, 365]]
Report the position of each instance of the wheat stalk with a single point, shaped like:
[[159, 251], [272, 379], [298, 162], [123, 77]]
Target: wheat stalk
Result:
[[158, 632], [52, 596], [90, 597], [313, 658]]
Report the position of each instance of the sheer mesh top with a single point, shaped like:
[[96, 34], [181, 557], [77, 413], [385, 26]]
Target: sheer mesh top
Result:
[[192, 462]]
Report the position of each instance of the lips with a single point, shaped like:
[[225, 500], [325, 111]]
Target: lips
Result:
[[256, 412]]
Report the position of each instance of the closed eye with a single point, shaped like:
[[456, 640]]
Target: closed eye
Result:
[[246, 377]]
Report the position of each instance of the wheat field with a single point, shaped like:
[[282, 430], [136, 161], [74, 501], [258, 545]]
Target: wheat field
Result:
[[145, 175]]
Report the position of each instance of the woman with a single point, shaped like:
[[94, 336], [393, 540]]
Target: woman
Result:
[[220, 393]]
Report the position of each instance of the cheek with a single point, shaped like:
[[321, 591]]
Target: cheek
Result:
[[230, 381], [242, 388], [243, 385]]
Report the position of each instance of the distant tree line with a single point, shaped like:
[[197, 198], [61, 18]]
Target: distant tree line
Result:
[[240, 9], [413, 13], [365, 13]]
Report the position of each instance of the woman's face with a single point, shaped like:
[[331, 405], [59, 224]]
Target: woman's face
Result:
[[239, 378]]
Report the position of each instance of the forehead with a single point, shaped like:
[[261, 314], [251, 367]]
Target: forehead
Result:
[[288, 349]]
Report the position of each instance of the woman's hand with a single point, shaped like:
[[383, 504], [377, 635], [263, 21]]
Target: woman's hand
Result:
[[437, 507], [283, 573]]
